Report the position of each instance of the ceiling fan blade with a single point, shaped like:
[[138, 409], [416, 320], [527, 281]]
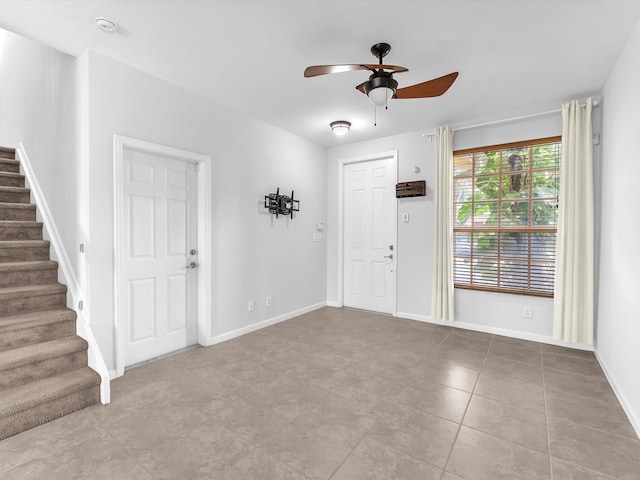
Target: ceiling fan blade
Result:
[[316, 70], [431, 88]]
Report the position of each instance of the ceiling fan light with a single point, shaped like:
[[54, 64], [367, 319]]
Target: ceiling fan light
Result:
[[380, 96], [340, 127]]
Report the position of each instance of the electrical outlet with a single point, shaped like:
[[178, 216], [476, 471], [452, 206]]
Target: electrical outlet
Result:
[[527, 312], [269, 301], [405, 217], [250, 305]]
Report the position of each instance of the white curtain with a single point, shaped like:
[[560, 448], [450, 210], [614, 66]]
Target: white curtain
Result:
[[442, 292], [573, 295]]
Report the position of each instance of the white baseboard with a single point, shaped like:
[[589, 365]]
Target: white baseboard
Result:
[[265, 323], [533, 337], [333, 304], [634, 416]]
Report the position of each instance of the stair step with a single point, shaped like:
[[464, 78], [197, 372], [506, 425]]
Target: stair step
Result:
[[33, 404], [28, 273], [20, 230], [17, 211], [14, 194], [23, 250], [8, 151], [11, 179], [32, 298], [8, 164], [22, 365], [36, 327]]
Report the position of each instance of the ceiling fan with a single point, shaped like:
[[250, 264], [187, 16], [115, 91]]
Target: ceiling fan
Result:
[[381, 85]]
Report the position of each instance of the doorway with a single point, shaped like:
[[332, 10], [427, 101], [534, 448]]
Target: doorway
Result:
[[369, 233], [161, 251]]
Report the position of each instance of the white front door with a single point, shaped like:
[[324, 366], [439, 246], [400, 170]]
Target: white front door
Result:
[[159, 236], [369, 235]]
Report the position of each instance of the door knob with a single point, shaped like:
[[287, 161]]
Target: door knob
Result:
[[191, 265], [390, 256]]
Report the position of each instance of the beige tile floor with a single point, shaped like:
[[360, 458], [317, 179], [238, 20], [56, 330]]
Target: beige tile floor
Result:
[[345, 395]]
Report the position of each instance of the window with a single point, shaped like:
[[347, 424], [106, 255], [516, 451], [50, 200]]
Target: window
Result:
[[505, 208]]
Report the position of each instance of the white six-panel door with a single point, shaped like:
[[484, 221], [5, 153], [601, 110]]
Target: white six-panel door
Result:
[[159, 232], [369, 235]]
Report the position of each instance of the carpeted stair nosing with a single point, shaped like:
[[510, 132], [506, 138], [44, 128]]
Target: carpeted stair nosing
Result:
[[24, 243], [18, 357], [31, 394], [9, 293], [28, 266], [24, 321]]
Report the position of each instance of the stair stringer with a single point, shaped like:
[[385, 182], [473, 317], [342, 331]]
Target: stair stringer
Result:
[[68, 277]]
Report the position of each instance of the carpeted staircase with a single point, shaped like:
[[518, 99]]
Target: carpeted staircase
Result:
[[43, 363]]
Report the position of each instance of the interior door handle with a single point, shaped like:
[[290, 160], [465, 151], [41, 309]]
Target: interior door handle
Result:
[[390, 256], [191, 265]]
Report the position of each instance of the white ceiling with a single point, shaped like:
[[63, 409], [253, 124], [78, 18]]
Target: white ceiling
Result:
[[514, 57]]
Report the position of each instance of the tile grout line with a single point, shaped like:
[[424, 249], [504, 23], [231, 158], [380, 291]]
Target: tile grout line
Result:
[[348, 455], [453, 444]]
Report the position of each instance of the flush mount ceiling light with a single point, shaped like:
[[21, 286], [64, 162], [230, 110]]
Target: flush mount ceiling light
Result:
[[340, 127], [106, 25]]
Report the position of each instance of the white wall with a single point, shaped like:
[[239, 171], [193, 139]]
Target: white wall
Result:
[[618, 327], [495, 312], [254, 255], [37, 103]]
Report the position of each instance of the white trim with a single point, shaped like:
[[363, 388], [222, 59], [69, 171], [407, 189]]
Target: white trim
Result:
[[331, 303], [533, 337], [634, 417], [393, 154], [205, 292], [265, 323], [68, 276]]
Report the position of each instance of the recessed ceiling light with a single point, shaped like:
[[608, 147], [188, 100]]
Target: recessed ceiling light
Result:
[[106, 25], [340, 127]]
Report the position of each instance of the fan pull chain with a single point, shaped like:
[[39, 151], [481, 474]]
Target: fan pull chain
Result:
[[375, 116]]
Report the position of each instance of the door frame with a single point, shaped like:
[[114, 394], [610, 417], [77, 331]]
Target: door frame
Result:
[[342, 163], [204, 272]]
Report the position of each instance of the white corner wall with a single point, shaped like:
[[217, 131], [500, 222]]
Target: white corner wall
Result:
[[618, 302], [254, 254], [37, 109], [485, 311]]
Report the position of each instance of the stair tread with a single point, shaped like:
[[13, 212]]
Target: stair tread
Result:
[[35, 319], [7, 149], [23, 243], [7, 293], [20, 223], [27, 266], [17, 357], [27, 396], [4, 188], [21, 206], [9, 161], [11, 174]]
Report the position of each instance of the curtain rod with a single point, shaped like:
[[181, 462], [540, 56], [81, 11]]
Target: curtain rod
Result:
[[513, 119]]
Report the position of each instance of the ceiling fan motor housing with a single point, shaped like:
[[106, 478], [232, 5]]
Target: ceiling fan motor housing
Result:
[[380, 79]]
